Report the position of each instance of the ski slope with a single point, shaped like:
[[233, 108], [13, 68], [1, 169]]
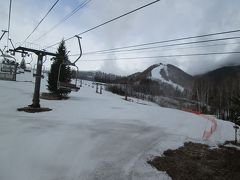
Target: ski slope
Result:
[[91, 136], [155, 75]]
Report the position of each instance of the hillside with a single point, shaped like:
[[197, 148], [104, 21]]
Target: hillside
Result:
[[217, 87], [164, 84], [220, 74], [166, 74], [91, 136]]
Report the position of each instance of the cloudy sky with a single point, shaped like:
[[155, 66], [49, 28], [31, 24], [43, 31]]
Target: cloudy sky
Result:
[[167, 19]]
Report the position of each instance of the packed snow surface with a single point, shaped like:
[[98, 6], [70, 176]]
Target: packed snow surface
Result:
[[157, 76], [90, 136]]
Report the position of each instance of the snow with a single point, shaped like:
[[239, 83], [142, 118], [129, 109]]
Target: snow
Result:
[[232, 146], [157, 76], [90, 136]]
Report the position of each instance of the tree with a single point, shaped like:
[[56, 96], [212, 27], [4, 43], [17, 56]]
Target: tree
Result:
[[65, 72], [235, 114], [23, 64]]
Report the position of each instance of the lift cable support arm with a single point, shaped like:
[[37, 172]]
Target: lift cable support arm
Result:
[[4, 31], [80, 48]]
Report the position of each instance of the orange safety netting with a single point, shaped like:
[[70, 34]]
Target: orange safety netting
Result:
[[207, 133]]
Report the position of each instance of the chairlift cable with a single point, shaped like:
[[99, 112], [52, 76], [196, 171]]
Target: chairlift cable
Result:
[[164, 41], [65, 18], [168, 45], [109, 21], [169, 49], [165, 56], [178, 44], [41, 20]]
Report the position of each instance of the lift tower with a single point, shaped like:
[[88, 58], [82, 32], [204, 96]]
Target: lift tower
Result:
[[38, 75]]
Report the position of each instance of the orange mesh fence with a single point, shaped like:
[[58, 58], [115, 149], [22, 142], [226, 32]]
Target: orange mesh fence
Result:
[[207, 133]]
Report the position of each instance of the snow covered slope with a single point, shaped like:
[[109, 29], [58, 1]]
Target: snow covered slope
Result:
[[90, 136], [170, 80], [156, 75]]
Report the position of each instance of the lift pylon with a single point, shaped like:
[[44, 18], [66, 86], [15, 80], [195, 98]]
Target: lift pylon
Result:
[[40, 54]]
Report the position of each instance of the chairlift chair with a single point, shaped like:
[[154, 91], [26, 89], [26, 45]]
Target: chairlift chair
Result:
[[23, 55], [28, 67], [23, 70], [20, 70], [8, 67], [70, 86], [29, 64]]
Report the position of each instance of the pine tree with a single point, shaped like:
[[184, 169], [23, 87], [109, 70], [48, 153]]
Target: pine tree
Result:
[[23, 64], [235, 114], [235, 109], [65, 72]]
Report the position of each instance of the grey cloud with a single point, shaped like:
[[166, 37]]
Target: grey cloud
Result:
[[167, 19]]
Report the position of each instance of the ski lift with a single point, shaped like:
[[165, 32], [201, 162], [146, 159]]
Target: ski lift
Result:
[[8, 67], [23, 69], [29, 65], [68, 85], [28, 68]]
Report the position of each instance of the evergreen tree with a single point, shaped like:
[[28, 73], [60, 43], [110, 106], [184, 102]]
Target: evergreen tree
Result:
[[23, 64], [65, 72], [235, 110], [235, 114]]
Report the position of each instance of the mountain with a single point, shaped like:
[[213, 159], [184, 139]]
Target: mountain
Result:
[[220, 74], [164, 84], [216, 88], [97, 76], [170, 86], [167, 77]]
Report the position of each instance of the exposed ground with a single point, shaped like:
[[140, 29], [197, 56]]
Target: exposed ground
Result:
[[198, 162], [51, 96]]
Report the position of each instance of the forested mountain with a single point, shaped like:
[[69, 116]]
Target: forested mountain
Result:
[[161, 79], [216, 88], [171, 87], [97, 76], [164, 84]]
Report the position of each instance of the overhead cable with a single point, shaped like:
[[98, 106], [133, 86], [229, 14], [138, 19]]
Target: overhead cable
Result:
[[69, 15], [107, 22], [164, 56], [167, 45], [41, 20]]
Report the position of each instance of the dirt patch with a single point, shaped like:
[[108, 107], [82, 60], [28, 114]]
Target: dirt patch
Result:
[[52, 96], [34, 110], [198, 162]]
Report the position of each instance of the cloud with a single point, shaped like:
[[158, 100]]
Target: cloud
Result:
[[167, 19]]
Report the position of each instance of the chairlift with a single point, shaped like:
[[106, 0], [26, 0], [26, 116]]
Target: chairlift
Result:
[[69, 85], [8, 67], [20, 70], [29, 65]]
